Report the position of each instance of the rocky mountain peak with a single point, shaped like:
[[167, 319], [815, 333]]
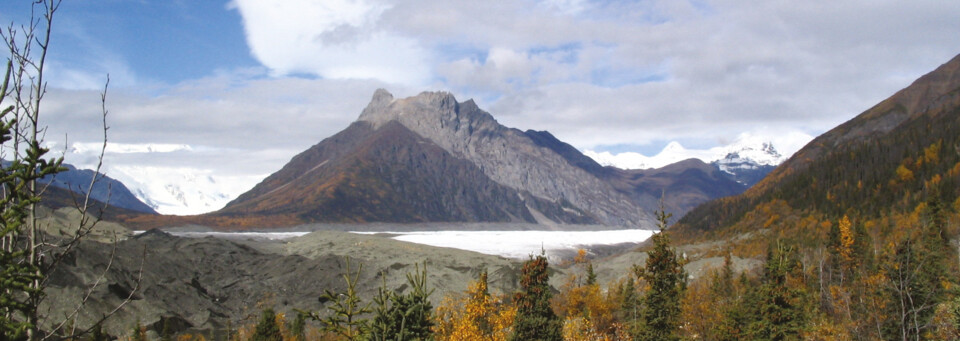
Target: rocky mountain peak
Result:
[[426, 109], [434, 115], [507, 156], [378, 104]]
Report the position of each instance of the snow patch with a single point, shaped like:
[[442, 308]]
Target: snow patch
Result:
[[520, 244]]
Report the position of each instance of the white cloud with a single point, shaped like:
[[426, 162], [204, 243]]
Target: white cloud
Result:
[[126, 148], [332, 39], [599, 73]]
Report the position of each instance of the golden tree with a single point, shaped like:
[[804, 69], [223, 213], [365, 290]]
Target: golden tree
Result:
[[474, 316]]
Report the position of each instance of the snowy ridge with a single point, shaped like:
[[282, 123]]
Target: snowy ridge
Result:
[[182, 191], [747, 151]]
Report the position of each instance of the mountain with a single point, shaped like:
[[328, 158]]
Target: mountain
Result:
[[430, 158], [747, 160], [105, 190], [391, 174], [747, 164], [182, 191], [682, 185], [900, 156]]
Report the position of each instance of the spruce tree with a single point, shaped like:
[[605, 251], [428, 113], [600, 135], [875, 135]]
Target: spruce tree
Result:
[[346, 309], [267, 329], [664, 274], [406, 316], [778, 311], [591, 276], [629, 306], [299, 326], [138, 333], [535, 319]]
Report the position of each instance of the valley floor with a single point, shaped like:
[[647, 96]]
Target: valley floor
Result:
[[499, 240]]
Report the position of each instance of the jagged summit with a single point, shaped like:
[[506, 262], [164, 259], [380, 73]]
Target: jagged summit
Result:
[[431, 158], [507, 156], [430, 114]]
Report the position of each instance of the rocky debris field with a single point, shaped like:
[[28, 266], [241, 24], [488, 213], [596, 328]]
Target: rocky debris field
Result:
[[210, 284]]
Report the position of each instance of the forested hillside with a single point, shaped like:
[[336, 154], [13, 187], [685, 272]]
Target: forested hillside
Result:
[[862, 223]]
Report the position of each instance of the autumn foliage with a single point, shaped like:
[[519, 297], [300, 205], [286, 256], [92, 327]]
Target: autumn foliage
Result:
[[476, 315]]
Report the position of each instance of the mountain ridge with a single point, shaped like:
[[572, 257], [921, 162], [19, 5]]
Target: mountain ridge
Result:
[[508, 156], [418, 179], [430, 158], [105, 190], [890, 158]]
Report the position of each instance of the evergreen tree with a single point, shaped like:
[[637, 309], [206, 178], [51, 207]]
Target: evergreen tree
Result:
[[299, 326], [591, 276], [535, 319], [736, 313], [629, 306], [778, 311], [138, 333], [346, 309], [918, 277], [404, 316], [267, 329], [721, 285], [664, 274]]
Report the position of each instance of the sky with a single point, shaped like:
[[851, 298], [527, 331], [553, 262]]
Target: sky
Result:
[[219, 94]]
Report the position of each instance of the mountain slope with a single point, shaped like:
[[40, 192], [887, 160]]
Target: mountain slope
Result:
[[903, 152], [682, 185], [429, 158], [106, 189], [744, 169], [508, 156], [390, 174]]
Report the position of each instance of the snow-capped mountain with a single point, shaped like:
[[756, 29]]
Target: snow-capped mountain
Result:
[[747, 160], [674, 152], [182, 191], [748, 164], [145, 169]]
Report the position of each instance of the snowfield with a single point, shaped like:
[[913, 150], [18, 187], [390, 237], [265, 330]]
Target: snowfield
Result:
[[521, 244], [509, 244]]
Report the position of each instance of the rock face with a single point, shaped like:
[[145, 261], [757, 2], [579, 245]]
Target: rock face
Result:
[[391, 174], [429, 158], [508, 156]]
